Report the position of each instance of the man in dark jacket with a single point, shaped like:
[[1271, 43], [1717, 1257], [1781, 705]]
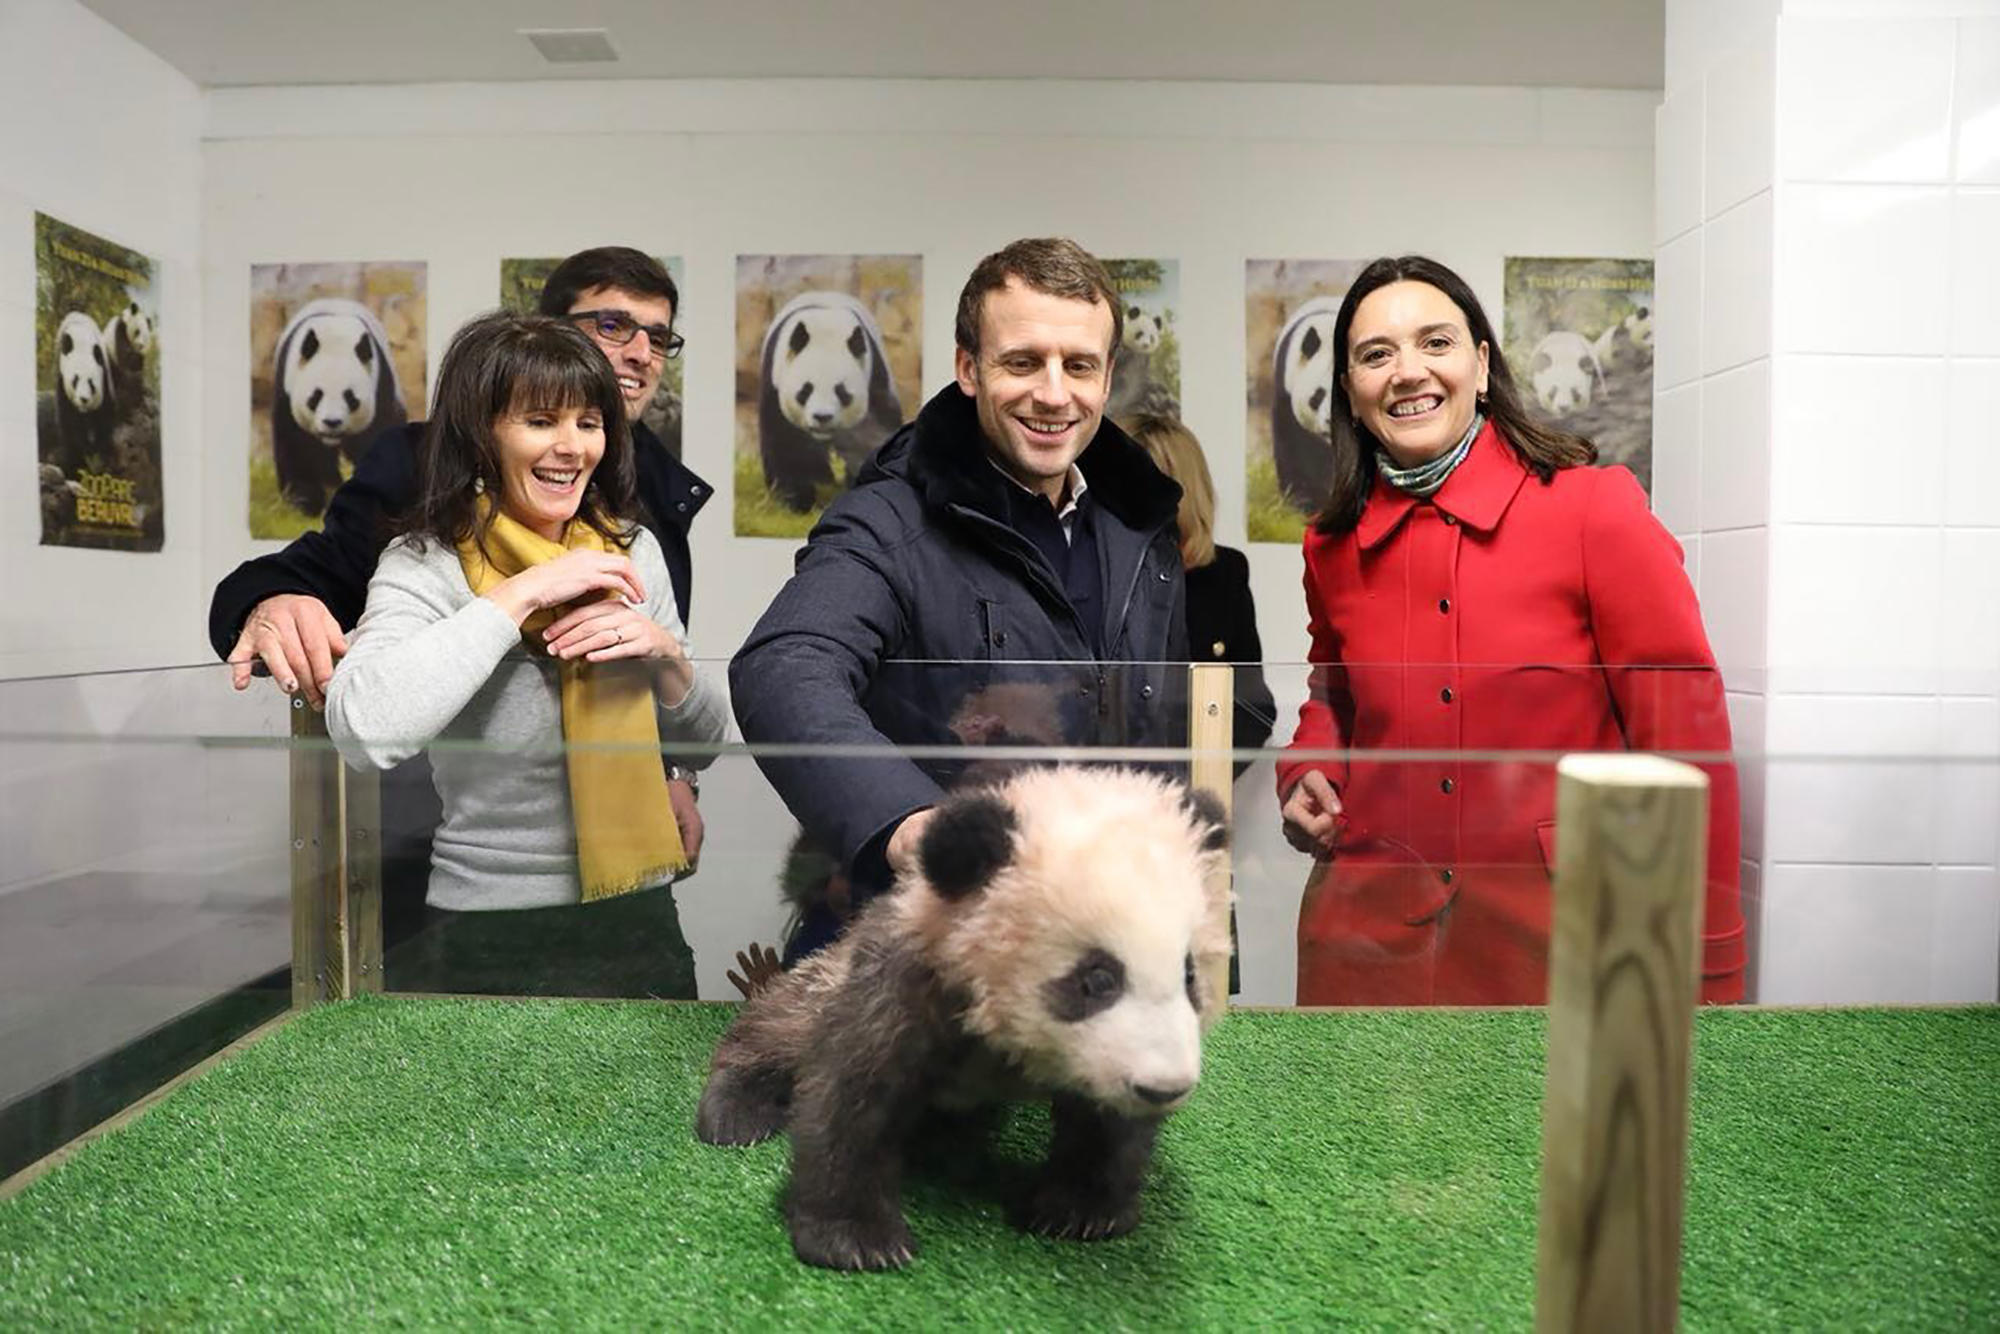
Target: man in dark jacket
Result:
[[289, 611], [1006, 569]]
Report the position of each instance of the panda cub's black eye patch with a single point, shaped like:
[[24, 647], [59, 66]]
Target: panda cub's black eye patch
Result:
[[1093, 986]]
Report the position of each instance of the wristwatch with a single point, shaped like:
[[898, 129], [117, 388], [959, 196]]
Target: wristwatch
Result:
[[680, 773]]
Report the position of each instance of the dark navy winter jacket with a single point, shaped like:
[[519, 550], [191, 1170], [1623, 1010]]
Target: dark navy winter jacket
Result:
[[336, 563], [917, 616]]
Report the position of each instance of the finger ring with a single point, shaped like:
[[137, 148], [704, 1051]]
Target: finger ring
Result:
[[621, 634]]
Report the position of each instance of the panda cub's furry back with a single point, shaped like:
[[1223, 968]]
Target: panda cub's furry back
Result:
[[1057, 940]]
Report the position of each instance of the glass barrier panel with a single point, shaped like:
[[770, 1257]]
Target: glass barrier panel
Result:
[[150, 817], [145, 908]]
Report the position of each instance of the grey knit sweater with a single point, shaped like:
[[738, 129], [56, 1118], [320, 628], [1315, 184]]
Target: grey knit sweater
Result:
[[432, 666]]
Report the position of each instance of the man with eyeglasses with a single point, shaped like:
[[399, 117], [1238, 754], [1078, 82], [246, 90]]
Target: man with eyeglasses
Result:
[[288, 612]]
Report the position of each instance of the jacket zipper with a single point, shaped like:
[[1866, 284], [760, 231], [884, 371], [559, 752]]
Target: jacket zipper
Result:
[[1017, 547]]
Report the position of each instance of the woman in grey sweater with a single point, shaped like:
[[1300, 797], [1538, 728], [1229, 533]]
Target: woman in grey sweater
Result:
[[525, 613]]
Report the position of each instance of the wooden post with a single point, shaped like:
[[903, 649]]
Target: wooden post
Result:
[[336, 822], [360, 909], [316, 843], [1211, 713], [1624, 976]]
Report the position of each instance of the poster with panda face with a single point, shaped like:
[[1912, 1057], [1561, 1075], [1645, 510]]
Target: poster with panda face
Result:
[[1289, 308], [1146, 374], [97, 392], [336, 358], [829, 363], [1579, 339], [521, 292]]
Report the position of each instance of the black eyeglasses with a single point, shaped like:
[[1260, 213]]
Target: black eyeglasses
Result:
[[615, 326]]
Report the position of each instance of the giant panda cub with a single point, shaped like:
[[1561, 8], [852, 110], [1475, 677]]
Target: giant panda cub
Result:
[[1132, 369], [1302, 404], [1056, 939], [129, 335], [1565, 373], [826, 391]]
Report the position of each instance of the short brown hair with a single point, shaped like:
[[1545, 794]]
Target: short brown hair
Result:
[[618, 266], [1051, 265], [1174, 449]]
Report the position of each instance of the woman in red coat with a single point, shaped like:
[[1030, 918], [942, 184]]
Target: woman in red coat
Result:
[[1482, 601]]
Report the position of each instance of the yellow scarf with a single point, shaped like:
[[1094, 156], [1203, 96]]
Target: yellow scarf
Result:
[[626, 838]]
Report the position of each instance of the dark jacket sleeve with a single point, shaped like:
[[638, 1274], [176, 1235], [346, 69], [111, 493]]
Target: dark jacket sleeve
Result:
[[800, 679], [1256, 710], [335, 563]]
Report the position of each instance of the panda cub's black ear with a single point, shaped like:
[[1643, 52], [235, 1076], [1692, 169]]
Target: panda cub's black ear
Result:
[[966, 844], [1206, 810]]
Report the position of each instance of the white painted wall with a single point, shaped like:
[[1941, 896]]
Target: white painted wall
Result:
[[185, 843], [1828, 383], [107, 137]]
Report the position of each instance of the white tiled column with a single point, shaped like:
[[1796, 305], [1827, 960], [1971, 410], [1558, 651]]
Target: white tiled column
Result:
[[1828, 448]]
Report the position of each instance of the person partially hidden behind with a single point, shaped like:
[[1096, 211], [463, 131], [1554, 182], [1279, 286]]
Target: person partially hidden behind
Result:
[[527, 617], [1472, 589], [1221, 614], [287, 612]]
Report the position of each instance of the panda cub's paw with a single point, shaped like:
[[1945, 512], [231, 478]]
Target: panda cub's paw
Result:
[[883, 1242], [737, 1110], [1071, 1211]]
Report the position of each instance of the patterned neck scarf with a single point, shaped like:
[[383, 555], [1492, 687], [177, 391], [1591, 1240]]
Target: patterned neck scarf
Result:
[[1424, 479]]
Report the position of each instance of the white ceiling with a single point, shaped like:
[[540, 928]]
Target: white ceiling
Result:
[[1536, 43]]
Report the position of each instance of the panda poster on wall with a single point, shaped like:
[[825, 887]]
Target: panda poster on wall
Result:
[[1580, 341], [336, 358], [97, 392], [829, 362], [521, 291], [1289, 307], [1146, 374]]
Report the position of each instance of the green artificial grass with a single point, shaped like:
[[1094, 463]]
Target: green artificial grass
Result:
[[429, 1162]]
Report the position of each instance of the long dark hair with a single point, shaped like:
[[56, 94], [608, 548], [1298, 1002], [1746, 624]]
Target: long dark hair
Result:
[[1544, 449], [501, 363]]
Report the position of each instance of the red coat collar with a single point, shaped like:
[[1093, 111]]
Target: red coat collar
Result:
[[1476, 494]]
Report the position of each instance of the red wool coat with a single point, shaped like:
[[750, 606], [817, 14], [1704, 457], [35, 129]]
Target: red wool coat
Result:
[[1503, 615]]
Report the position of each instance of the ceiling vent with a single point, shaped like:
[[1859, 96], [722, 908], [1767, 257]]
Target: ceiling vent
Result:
[[571, 46]]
